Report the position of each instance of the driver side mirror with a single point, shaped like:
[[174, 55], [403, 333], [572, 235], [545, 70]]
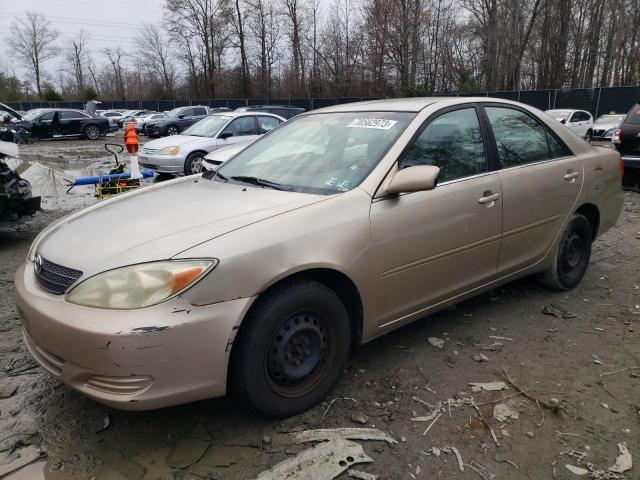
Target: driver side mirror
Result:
[[414, 179], [181, 115], [563, 121], [226, 134]]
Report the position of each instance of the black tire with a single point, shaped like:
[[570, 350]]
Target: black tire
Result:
[[291, 349], [172, 130], [193, 163], [572, 255], [91, 132], [588, 135]]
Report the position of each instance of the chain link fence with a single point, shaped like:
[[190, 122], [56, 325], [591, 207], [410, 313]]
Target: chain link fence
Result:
[[595, 100]]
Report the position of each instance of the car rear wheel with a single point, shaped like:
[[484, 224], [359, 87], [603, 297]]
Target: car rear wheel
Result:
[[291, 349], [572, 255], [193, 163], [91, 132], [172, 130]]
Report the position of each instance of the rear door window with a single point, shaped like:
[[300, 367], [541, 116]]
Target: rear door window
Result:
[[521, 139], [199, 111], [453, 142], [633, 117], [266, 124]]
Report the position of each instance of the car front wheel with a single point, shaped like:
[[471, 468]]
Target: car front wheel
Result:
[[172, 130], [193, 164], [92, 132], [291, 349], [572, 255]]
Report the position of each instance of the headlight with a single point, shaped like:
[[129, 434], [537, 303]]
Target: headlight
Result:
[[141, 285], [169, 150]]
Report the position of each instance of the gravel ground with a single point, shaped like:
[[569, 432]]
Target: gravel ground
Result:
[[579, 370]]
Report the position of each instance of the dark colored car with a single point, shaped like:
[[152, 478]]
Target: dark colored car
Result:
[[627, 142], [179, 119], [64, 122], [284, 111], [11, 129]]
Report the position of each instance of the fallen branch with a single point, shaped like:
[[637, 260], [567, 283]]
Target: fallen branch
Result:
[[620, 370], [484, 420], [510, 381]]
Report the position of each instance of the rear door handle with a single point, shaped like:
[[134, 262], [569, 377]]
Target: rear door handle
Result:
[[570, 176], [488, 198]]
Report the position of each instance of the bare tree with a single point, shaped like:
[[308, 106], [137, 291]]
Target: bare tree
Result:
[[154, 55], [115, 58], [76, 57], [32, 43]]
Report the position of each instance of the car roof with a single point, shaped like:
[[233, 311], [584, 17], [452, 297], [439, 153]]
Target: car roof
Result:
[[235, 113]]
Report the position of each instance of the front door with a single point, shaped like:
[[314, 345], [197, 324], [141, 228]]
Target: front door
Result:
[[430, 246], [42, 126], [541, 180], [244, 129]]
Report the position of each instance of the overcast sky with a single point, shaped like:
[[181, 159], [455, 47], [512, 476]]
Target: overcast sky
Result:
[[108, 22]]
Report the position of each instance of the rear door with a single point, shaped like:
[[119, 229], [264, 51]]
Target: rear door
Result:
[[630, 130], [429, 246], [541, 180], [72, 122], [266, 124]]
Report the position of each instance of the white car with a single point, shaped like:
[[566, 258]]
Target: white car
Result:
[[184, 153], [140, 122], [605, 126], [578, 121], [113, 116], [216, 158]]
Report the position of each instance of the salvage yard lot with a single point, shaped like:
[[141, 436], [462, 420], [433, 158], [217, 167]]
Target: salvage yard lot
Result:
[[574, 354]]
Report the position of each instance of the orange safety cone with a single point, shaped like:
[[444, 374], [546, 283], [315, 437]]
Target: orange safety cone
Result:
[[131, 138]]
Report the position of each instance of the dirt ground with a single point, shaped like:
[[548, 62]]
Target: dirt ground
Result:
[[579, 370]]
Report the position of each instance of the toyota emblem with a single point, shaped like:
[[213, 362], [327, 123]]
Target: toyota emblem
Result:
[[37, 262]]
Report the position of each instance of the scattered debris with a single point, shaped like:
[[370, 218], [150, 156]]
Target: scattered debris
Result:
[[502, 412], [481, 357], [577, 470], [557, 312], [102, 423], [436, 451], [436, 342], [361, 475], [424, 434], [360, 418], [623, 461], [490, 386], [266, 439], [20, 459], [323, 434], [497, 337], [8, 390], [459, 458], [531, 434], [494, 347], [482, 471], [324, 461]]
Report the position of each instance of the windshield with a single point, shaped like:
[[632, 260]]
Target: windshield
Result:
[[320, 153], [559, 114], [610, 118], [208, 126], [175, 112], [31, 115]]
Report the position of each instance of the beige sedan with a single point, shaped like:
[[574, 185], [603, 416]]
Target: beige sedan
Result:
[[336, 227]]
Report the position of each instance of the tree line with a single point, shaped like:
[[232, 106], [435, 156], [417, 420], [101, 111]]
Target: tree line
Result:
[[313, 48]]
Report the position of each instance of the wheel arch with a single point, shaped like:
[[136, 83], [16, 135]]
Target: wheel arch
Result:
[[592, 213], [337, 281]]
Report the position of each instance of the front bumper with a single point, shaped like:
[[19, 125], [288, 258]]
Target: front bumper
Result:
[[142, 359], [631, 161], [162, 163]]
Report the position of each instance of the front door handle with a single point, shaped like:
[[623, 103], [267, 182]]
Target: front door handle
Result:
[[571, 176], [488, 198]]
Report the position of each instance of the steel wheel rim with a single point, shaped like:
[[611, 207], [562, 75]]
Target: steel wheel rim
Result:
[[299, 353], [91, 133], [172, 131], [573, 252]]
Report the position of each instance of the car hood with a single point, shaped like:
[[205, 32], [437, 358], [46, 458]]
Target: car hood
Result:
[[179, 140], [225, 153], [160, 221], [606, 125], [10, 110]]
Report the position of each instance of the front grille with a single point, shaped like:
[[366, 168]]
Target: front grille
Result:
[[150, 151], [598, 133], [54, 278]]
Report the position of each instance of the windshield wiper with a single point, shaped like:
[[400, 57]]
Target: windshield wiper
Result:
[[261, 182]]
